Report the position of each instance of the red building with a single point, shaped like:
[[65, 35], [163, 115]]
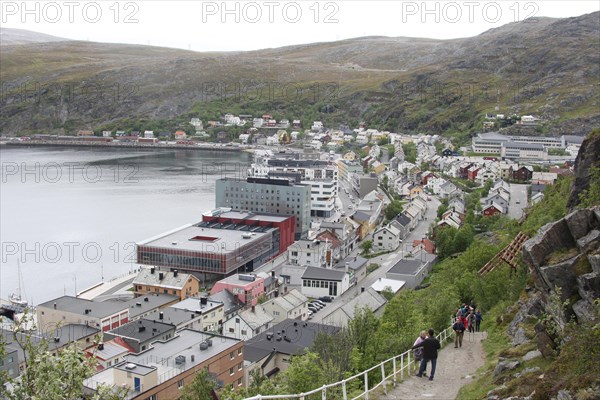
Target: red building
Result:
[[222, 243], [491, 210]]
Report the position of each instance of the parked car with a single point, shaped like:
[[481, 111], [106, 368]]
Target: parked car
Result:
[[326, 299], [319, 302], [318, 306]]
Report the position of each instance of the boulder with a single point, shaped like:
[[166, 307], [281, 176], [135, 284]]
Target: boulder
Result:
[[527, 371], [580, 222], [589, 242], [531, 355], [519, 337], [584, 311], [545, 344], [588, 286], [562, 275], [505, 366], [550, 237]]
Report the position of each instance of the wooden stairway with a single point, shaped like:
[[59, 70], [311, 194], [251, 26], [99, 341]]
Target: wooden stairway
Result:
[[507, 255]]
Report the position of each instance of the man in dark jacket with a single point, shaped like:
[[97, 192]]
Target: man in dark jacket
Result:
[[459, 329], [430, 347]]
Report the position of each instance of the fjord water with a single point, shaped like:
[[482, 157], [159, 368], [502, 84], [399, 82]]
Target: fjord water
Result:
[[71, 216]]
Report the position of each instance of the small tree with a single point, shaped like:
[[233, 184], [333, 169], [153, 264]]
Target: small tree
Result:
[[366, 246], [201, 388]]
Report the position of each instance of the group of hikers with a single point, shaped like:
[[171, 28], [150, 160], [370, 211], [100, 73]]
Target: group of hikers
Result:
[[426, 346], [467, 319]]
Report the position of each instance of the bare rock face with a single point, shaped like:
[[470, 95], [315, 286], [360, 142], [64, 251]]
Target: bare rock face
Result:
[[579, 230], [586, 159]]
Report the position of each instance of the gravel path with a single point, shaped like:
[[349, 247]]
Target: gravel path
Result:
[[455, 368]]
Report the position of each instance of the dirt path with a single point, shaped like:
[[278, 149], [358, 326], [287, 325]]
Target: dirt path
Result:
[[455, 368]]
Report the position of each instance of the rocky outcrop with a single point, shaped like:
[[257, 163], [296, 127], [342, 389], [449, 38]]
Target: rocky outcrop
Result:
[[578, 277], [586, 159]]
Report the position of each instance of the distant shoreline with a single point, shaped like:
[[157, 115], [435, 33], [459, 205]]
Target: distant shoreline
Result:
[[145, 146]]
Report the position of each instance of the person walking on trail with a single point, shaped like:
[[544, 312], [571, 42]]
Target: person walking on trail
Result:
[[459, 329], [471, 321], [419, 351], [430, 352], [478, 319], [465, 322]]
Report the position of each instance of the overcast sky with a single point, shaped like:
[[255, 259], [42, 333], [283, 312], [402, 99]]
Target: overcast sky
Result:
[[249, 25]]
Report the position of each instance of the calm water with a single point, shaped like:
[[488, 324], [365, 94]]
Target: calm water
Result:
[[70, 215]]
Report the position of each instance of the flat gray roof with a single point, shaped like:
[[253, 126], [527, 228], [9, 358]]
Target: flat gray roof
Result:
[[324, 274], [406, 267], [150, 329], [205, 239]]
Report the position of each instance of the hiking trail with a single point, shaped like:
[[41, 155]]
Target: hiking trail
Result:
[[455, 368]]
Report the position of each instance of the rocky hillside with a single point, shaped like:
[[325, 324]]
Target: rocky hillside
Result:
[[392, 83]]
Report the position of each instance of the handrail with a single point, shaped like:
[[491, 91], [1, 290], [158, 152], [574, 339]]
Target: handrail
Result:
[[408, 365]]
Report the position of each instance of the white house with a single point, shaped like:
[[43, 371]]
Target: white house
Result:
[[248, 323], [319, 282], [294, 305], [311, 253], [386, 238]]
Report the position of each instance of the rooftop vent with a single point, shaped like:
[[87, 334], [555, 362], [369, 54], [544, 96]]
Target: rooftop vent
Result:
[[141, 329], [56, 339], [145, 299], [174, 243], [175, 272], [203, 346], [161, 276], [180, 360], [246, 277], [209, 342], [138, 304], [130, 366]]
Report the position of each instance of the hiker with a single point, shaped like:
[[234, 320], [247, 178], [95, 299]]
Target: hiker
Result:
[[465, 322], [471, 321], [478, 319], [459, 329], [430, 347], [419, 351]]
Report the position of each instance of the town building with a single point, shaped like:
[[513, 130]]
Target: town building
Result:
[[320, 282], [173, 282], [105, 315], [271, 351], [166, 367], [412, 270], [293, 305], [265, 195], [321, 176], [225, 241], [308, 253], [386, 238], [200, 314], [141, 333], [248, 323], [341, 316], [247, 287]]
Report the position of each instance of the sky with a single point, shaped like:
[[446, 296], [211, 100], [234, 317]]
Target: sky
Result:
[[250, 25]]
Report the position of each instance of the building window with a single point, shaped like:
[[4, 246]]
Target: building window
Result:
[[180, 384], [243, 332], [239, 381], [231, 355], [231, 371], [239, 352], [231, 330], [240, 366]]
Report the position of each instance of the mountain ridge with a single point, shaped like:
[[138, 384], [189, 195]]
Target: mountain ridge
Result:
[[391, 83]]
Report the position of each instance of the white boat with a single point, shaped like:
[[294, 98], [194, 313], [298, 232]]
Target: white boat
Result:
[[15, 298]]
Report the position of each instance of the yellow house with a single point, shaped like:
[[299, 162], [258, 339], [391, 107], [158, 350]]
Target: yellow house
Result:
[[149, 280], [414, 190]]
